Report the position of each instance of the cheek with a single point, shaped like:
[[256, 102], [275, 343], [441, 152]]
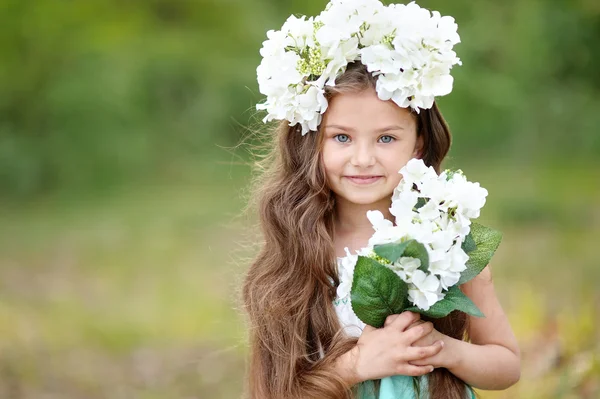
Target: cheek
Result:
[[331, 160], [396, 160], [394, 179]]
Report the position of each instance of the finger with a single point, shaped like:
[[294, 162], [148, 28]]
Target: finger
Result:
[[414, 371], [404, 320], [368, 328], [414, 353], [416, 323], [390, 319], [422, 362], [417, 332]]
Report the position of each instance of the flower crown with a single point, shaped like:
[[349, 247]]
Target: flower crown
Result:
[[406, 46]]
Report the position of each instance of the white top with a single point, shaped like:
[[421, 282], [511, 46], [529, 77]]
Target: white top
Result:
[[351, 324]]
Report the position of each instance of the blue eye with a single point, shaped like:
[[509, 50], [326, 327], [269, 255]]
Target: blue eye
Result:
[[386, 139], [341, 138]]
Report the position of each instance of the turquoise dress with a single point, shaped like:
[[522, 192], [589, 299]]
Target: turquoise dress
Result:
[[394, 387], [397, 387]]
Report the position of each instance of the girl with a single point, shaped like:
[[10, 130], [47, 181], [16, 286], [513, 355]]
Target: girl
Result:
[[312, 199]]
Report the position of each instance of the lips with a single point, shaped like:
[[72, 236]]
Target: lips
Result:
[[363, 180]]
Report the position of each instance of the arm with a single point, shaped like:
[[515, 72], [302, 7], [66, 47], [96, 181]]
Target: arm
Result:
[[345, 367], [492, 359]]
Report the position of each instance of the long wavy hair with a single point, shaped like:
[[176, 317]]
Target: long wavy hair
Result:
[[295, 336]]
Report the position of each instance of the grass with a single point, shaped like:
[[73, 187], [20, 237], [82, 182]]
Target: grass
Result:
[[131, 294]]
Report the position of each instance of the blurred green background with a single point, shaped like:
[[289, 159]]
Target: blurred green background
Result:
[[122, 187]]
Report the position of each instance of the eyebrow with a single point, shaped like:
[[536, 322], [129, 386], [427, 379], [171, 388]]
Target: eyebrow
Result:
[[349, 129]]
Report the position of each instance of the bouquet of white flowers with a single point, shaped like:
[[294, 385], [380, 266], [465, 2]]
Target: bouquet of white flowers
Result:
[[418, 262]]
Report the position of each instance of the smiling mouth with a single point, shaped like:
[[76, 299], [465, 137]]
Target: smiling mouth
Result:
[[363, 179]]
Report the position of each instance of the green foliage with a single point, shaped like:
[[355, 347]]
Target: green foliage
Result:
[[95, 93], [410, 248], [469, 244], [417, 250], [486, 242], [377, 292], [391, 251], [454, 300]]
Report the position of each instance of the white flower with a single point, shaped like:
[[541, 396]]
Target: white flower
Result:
[[436, 83], [422, 231], [415, 171], [339, 55], [442, 240], [300, 30], [457, 226], [447, 278], [436, 190], [402, 206], [378, 26], [430, 211], [469, 197], [447, 29], [450, 266], [458, 259], [308, 109], [385, 231], [276, 44], [424, 290], [346, 274], [408, 48], [276, 73], [405, 267], [379, 58], [378, 221]]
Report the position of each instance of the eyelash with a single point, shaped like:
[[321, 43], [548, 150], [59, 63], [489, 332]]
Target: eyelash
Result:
[[335, 137], [343, 142], [391, 137]]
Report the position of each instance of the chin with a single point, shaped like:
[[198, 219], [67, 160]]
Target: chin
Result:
[[366, 198]]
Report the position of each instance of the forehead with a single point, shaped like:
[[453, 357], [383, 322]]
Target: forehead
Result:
[[366, 111]]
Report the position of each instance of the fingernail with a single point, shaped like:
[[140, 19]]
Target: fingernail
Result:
[[442, 343], [431, 369]]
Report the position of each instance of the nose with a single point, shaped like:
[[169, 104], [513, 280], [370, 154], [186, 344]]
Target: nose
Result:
[[363, 155]]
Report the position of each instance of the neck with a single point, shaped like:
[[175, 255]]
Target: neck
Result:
[[351, 219]]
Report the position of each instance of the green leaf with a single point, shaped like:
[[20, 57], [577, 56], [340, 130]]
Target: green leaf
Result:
[[377, 292], [451, 172], [391, 251], [421, 202], [469, 244], [487, 241], [417, 250], [454, 300], [410, 248]]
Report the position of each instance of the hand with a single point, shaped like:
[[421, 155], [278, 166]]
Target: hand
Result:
[[440, 359], [387, 351]]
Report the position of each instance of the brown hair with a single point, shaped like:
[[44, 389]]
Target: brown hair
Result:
[[288, 290]]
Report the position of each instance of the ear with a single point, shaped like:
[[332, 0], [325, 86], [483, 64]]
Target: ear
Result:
[[418, 151]]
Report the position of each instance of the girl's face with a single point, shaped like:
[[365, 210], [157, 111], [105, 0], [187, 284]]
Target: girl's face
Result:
[[366, 142]]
